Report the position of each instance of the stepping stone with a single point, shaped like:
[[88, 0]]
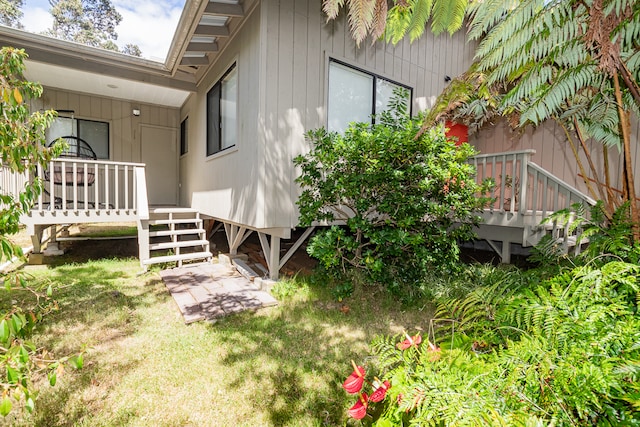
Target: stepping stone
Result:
[[210, 291]]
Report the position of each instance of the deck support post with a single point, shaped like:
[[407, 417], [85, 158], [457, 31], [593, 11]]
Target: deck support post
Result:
[[36, 238], [143, 242], [274, 258], [271, 250], [53, 248]]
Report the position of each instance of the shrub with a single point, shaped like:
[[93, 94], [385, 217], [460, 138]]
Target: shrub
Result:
[[404, 198], [564, 352]]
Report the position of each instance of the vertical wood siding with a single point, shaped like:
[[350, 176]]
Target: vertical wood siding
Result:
[[553, 153], [124, 144], [227, 185], [298, 44]]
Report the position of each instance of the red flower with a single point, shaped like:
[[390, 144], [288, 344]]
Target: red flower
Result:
[[433, 352], [359, 409], [410, 342], [379, 394], [353, 383]]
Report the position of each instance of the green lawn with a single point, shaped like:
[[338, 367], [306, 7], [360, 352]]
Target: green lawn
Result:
[[144, 367]]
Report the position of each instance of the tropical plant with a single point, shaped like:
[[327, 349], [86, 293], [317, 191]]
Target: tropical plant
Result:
[[22, 148], [561, 352], [376, 18], [405, 201], [575, 62]]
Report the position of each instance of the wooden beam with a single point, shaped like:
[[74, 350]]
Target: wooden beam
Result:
[[199, 60], [224, 9], [212, 30], [202, 47]]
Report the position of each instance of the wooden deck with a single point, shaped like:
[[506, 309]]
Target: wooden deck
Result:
[[210, 291]]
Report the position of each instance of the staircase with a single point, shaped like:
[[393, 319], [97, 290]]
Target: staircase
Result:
[[172, 235], [525, 196]]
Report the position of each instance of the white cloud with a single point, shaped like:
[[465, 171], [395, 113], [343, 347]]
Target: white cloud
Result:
[[148, 24]]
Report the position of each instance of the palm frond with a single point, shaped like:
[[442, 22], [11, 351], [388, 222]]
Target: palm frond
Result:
[[331, 8], [360, 14]]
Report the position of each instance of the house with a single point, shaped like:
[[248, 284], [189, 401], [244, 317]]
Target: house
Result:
[[211, 132]]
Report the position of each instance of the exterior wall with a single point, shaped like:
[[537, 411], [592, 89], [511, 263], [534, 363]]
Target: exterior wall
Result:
[[124, 131], [226, 185], [298, 45], [554, 153]]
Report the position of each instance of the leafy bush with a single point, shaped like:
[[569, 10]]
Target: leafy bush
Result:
[[22, 148], [564, 352], [405, 199]]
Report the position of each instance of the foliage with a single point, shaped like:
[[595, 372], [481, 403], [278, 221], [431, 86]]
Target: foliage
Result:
[[11, 13], [562, 352], [90, 22], [22, 148], [405, 200], [374, 17], [575, 62], [132, 50], [605, 239]]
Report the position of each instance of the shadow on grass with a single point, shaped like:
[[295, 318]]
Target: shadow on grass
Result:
[[98, 303], [298, 360]]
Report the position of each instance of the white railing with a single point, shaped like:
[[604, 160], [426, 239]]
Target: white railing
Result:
[[12, 183], [524, 187], [89, 185]]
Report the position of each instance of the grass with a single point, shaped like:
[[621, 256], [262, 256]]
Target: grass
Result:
[[281, 366]]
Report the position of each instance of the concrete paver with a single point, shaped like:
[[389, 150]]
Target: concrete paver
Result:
[[209, 291]]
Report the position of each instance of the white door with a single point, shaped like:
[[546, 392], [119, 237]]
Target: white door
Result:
[[160, 154]]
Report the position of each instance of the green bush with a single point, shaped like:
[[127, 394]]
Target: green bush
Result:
[[401, 199], [521, 352]]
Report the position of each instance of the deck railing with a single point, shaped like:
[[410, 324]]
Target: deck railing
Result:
[[524, 187], [89, 185], [12, 183]]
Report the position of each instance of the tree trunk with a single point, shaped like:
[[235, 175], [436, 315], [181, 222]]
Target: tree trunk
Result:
[[625, 128]]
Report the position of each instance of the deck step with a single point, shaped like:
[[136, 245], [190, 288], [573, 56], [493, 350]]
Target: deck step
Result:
[[170, 210], [175, 221], [176, 258], [162, 233], [180, 244]]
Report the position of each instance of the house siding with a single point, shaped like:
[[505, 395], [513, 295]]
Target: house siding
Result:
[[299, 44], [554, 153], [124, 131], [226, 185]]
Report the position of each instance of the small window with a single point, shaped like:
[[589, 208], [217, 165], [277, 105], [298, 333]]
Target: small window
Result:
[[222, 113], [95, 133], [356, 96], [184, 141]]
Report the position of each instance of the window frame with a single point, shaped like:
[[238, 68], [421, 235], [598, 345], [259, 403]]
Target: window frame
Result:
[[184, 136], [76, 131], [214, 140], [375, 77]]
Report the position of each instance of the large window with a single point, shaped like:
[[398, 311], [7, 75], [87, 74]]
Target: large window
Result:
[[222, 113], [96, 134], [356, 95], [184, 136]]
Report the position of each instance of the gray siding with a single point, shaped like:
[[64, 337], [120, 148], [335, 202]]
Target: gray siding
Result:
[[554, 153], [123, 125], [298, 46], [226, 185]]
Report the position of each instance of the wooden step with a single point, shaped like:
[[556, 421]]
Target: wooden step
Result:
[[162, 233], [170, 210], [175, 221], [176, 258], [180, 244]]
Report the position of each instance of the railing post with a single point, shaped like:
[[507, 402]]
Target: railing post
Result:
[[524, 175]]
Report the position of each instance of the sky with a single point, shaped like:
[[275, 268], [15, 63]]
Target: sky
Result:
[[150, 24]]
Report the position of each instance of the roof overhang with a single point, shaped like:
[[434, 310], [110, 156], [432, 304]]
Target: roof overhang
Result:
[[204, 29]]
